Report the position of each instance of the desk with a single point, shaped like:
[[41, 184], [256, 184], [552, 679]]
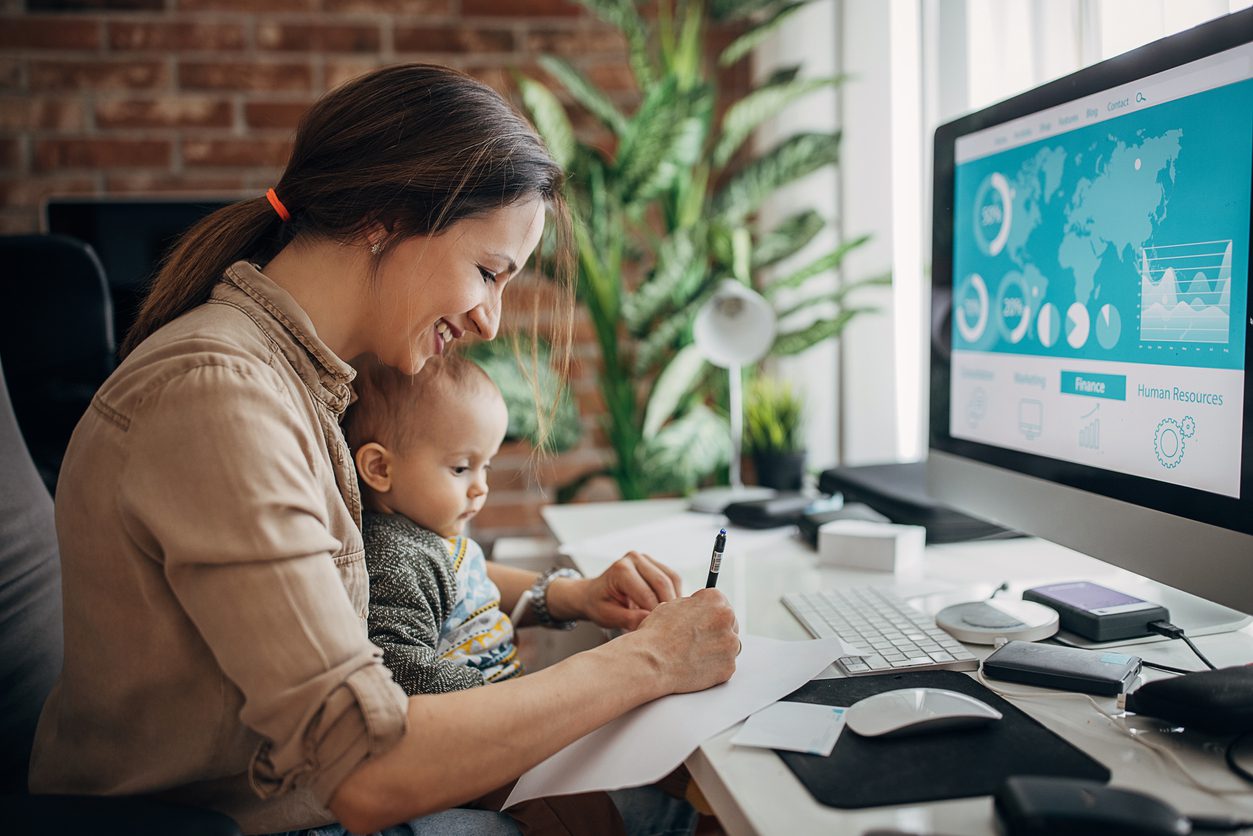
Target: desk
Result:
[[751, 790]]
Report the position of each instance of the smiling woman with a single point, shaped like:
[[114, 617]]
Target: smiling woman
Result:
[[214, 579]]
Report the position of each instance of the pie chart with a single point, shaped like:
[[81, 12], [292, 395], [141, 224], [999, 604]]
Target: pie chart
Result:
[[1077, 325], [1048, 325], [1108, 326]]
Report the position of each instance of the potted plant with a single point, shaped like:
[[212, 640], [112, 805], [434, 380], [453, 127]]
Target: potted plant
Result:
[[773, 422], [669, 213]]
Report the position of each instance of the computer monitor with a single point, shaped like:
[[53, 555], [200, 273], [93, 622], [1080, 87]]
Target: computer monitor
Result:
[[1090, 382], [131, 235]]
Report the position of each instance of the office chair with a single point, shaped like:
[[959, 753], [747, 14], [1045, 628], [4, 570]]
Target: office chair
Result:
[[31, 650], [56, 339]]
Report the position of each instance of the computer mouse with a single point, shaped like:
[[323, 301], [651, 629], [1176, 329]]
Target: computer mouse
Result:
[[917, 711]]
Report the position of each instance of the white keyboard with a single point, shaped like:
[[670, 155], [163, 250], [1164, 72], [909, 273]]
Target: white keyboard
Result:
[[894, 635]]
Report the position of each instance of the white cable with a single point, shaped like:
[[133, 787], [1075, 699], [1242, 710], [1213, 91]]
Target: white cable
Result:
[[1157, 749]]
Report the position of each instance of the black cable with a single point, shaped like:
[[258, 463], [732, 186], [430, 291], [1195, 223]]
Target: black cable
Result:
[[1232, 763], [1154, 665], [1170, 631]]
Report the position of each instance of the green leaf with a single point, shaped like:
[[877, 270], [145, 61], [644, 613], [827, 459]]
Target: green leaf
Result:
[[685, 451], [550, 119], [662, 141], [836, 296], [830, 261], [745, 43], [743, 117], [624, 15], [793, 158], [665, 336], [673, 384], [679, 267], [786, 239], [738, 9], [795, 342], [513, 368], [585, 93]]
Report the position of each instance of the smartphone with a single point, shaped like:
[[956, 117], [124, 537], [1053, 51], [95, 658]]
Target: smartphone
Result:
[[1097, 612]]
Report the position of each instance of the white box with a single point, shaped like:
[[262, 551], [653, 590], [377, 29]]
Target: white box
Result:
[[881, 547]]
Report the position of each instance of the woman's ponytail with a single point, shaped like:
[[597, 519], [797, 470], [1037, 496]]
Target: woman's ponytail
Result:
[[196, 263]]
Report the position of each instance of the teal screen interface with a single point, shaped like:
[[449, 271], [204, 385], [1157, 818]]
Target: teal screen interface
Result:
[[1101, 277]]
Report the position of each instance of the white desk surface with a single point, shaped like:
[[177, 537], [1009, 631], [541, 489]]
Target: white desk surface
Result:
[[753, 792]]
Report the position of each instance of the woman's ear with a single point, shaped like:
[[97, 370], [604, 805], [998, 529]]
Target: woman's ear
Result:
[[374, 466]]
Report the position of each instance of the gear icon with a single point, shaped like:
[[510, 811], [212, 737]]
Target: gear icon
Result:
[[1169, 437]]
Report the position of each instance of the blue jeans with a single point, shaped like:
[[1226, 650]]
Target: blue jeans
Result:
[[646, 811]]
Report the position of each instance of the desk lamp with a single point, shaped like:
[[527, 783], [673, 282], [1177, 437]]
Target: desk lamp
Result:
[[734, 328]]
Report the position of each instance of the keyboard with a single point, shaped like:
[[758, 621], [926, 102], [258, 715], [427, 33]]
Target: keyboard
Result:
[[894, 635]]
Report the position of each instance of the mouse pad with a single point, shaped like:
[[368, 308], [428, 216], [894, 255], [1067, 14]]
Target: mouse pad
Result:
[[872, 772]]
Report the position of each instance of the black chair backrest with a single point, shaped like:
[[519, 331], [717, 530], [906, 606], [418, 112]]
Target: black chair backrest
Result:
[[31, 638], [56, 338]]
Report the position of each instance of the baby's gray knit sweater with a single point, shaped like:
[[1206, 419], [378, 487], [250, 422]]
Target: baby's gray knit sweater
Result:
[[412, 591]]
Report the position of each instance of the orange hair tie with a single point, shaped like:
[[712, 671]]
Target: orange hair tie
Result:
[[271, 196]]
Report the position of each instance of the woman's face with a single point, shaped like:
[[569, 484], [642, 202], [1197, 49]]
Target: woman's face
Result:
[[437, 289]]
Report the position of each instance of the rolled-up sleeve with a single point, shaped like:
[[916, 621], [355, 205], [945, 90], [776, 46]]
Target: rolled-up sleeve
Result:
[[222, 490]]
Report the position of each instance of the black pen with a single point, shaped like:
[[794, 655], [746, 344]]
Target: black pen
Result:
[[715, 560]]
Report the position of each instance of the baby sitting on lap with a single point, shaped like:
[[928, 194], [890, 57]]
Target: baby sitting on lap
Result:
[[423, 445]]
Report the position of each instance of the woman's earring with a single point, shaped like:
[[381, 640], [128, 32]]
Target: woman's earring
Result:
[[376, 248]]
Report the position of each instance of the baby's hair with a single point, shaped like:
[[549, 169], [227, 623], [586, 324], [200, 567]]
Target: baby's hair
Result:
[[390, 403]]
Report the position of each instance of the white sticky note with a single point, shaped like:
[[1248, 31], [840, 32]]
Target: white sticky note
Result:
[[794, 726]]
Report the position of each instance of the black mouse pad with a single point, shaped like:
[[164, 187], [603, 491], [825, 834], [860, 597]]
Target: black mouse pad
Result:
[[872, 772]]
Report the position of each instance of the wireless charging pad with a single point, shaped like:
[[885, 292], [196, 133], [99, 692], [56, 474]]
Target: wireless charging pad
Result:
[[983, 622]]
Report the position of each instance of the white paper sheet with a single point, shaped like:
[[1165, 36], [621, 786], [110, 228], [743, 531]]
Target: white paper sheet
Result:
[[646, 744], [794, 726], [681, 541]]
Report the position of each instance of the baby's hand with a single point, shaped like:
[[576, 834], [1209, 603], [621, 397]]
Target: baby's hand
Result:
[[625, 593]]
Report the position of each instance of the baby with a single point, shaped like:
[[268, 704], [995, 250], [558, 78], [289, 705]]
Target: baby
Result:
[[423, 446]]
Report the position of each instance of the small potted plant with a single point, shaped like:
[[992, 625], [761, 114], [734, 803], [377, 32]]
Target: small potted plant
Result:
[[772, 433]]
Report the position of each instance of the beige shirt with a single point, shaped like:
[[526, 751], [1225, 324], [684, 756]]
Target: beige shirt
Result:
[[214, 577]]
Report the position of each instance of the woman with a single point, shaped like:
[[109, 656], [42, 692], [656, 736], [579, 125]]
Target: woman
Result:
[[214, 579]]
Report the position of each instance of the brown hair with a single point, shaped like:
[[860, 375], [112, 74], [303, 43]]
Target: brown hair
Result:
[[413, 147], [390, 404]]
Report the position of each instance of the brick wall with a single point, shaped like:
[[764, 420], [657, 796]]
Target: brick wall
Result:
[[201, 96]]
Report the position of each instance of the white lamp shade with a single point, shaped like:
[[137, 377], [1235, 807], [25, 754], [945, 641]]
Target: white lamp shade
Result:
[[735, 327]]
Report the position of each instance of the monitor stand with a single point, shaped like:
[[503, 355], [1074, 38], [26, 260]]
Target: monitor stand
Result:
[[1197, 616]]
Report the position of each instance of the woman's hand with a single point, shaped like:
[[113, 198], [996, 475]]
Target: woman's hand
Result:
[[693, 641], [621, 596]]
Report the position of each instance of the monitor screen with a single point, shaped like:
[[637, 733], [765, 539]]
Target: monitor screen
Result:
[[1091, 247]]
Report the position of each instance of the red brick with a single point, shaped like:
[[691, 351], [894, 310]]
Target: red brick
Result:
[[285, 115], [454, 38], [49, 33], [11, 153], [221, 153], [174, 37], [24, 113], [244, 76], [611, 76], [246, 5], [339, 72], [97, 75], [161, 181], [501, 513], [170, 112], [30, 191], [417, 8], [21, 221], [307, 37], [56, 154], [575, 42], [520, 8], [12, 73], [95, 5]]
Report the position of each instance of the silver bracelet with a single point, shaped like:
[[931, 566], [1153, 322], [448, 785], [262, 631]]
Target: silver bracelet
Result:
[[539, 598]]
